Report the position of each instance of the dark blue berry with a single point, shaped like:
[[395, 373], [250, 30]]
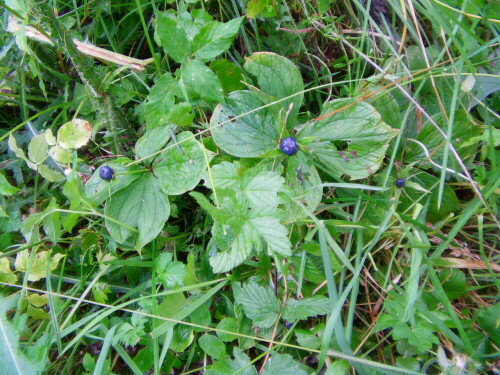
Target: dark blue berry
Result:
[[106, 173], [400, 183], [288, 325], [289, 146]]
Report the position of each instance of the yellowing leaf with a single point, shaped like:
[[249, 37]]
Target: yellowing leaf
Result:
[[6, 274], [37, 268], [74, 134]]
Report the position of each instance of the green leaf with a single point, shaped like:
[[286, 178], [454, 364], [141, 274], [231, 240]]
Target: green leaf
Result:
[[306, 307], [488, 319], [98, 190], [420, 336], [245, 230], [226, 324], [200, 81], [6, 274], [228, 367], [60, 155], [360, 126], [251, 135], [259, 303], [12, 360], [464, 129], [338, 367], [172, 37], [52, 222], [37, 149], [324, 5], [153, 140], [142, 205], [454, 283], [74, 134], [256, 7], [37, 267], [259, 186], [50, 174], [282, 364], [213, 346], [19, 152], [278, 77], [181, 114], [169, 273], [5, 187], [215, 38], [160, 101], [180, 167], [230, 75], [303, 185]]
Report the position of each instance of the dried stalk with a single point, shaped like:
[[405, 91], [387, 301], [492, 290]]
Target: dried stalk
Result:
[[86, 48]]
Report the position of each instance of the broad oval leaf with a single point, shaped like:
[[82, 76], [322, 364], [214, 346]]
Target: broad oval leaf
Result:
[[141, 205], [98, 190], [152, 141], [181, 166], [215, 38], [74, 134], [259, 303], [253, 134], [303, 185], [160, 100], [172, 37], [200, 81], [278, 77], [357, 124]]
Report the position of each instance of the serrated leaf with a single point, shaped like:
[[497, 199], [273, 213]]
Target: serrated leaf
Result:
[[227, 324], [160, 101], [360, 126], [213, 346], [302, 185], [306, 307], [200, 81], [259, 186], [215, 38], [282, 364], [37, 149], [153, 140], [245, 231], [180, 167], [278, 77], [169, 273], [5, 187], [259, 303], [98, 190], [251, 135], [74, 134], [142, 205], [420, 336], [181, 114], [172, 37], [37, 269], [230, 367]]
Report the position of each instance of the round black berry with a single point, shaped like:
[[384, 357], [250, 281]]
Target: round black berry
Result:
[[289, 146], [400, 183], [106, 173]]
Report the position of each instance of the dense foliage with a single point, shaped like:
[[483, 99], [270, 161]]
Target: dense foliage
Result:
[[249, 187]]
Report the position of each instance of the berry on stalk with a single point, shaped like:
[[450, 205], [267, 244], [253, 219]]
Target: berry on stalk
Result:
[[289, 146], [106, 173]]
